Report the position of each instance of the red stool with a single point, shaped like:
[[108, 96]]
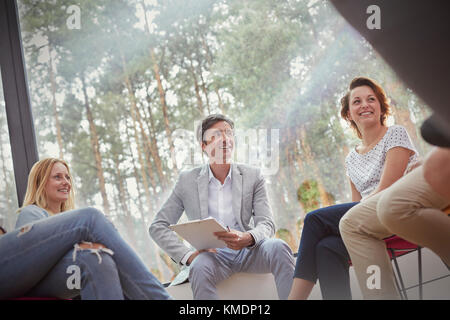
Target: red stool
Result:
[[397, 247]]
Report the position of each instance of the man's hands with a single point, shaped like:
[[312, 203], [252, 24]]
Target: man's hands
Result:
[[236, 240]]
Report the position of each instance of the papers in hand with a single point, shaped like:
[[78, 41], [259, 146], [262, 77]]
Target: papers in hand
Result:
[[200, 233]]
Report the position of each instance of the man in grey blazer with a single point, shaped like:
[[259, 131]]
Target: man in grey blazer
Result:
[[234, 194]]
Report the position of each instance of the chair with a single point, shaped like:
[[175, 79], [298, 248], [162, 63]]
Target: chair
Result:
[[397, 247]]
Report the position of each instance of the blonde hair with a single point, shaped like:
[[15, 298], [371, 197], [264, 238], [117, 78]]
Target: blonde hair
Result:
[[37, 180]]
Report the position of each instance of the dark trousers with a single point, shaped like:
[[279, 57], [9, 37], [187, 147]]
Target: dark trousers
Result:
[[322, 254]]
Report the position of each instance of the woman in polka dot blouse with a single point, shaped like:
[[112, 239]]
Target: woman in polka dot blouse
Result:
[[383, 156]]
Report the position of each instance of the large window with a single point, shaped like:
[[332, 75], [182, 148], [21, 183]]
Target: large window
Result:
[[117, 88], [8, 194]]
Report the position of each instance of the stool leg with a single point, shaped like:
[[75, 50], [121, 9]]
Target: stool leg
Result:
[[448, 267], [399, 274], [398, 287], [419, 257]]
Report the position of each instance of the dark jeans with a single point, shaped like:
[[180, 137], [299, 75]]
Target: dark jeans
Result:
[[322, 254]]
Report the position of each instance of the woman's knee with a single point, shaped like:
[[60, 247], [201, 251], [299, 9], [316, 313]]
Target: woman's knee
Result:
[[326, 216], [90, 213], [310, 218], [95, 260]]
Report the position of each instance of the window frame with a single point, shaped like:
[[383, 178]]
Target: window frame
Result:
[[19, 115]]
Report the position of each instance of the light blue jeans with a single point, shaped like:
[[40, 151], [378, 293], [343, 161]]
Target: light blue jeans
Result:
[[37, 260], [270, 255]]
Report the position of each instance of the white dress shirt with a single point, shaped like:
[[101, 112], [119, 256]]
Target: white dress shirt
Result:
[[220, 201], [220, 204]]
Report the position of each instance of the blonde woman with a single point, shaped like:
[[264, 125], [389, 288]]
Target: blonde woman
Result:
[[61, 252]]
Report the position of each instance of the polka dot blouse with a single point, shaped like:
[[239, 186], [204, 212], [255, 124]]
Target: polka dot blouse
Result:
[[365, 170]]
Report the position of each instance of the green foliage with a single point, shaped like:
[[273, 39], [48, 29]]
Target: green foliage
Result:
[[308, 195]]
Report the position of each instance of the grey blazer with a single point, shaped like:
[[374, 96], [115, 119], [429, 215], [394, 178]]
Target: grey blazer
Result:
[[190, 194]]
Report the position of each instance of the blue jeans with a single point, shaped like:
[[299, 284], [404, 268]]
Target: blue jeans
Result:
[[35, 259], [322, 254]]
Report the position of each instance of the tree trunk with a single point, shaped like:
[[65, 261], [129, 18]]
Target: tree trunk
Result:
[[123, 202], [289, 142], [141, 162], [148, 255], [291, 184], [324, 199], [202, 80], [147, 195], [146, 186], [280, 190], [55, 109], [154, 145], [209, 59], [120, 186], [205, 93], [95, 148], [344, 149], [138, 119], [197, 90], [297, 156], [162, 97], [135, 172]]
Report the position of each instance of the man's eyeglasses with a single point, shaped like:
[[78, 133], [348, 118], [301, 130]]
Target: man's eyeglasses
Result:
[[217, 134]]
